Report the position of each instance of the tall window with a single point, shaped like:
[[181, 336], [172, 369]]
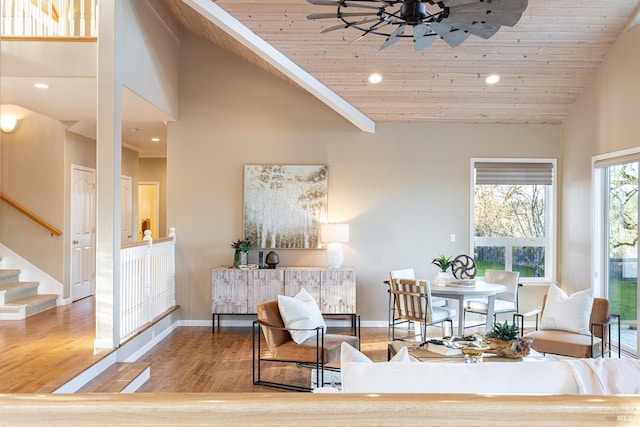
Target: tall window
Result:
[[513, 216]]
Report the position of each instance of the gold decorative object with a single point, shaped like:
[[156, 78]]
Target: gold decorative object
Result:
[[512, 349]]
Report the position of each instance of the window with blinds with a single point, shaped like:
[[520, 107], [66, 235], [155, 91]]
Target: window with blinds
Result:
[[513, 211]]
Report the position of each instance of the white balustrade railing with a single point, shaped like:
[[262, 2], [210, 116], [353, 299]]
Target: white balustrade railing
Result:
[[147, 281], [49, 18]]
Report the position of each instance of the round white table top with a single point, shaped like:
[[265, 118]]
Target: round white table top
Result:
[[480, 289]]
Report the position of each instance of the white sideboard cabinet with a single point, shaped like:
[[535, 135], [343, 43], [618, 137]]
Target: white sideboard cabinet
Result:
[[236, 291]]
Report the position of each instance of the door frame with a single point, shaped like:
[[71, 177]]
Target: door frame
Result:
[[600, 224], [155, 227]]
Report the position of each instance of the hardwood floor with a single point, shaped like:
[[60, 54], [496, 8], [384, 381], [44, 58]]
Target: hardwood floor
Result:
[[192, 359], [43, 352]]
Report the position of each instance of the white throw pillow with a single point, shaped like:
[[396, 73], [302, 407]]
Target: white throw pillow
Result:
[[350, 354], [300, 312], [567, 313]]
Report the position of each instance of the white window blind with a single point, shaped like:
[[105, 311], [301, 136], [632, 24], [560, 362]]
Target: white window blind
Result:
[[513, 173], [615, 161]]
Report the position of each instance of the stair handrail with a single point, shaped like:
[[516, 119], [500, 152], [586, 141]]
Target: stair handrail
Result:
[[54, 231]]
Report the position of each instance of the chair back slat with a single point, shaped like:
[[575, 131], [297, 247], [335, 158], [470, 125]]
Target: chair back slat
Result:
[[410, 299]]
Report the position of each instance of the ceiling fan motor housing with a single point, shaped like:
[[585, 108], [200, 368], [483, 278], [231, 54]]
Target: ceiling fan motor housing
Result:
[[413, 12]]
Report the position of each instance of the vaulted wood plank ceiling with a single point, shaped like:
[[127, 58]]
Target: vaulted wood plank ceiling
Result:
[[545, 61]]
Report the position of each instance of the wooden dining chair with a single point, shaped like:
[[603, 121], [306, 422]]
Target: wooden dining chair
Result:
[[412, 299]]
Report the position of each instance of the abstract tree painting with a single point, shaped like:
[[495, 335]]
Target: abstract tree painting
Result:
[[284, 205]]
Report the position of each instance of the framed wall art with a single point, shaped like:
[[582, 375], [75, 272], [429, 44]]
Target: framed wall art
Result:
[[284, 205]]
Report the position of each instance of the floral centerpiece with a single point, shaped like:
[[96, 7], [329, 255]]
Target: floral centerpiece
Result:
[[241, 255]]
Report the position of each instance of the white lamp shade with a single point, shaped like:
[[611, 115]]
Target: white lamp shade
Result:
[[334, 233]]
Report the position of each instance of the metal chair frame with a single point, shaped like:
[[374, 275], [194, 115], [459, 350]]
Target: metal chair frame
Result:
[[319, 362], [413, 305]]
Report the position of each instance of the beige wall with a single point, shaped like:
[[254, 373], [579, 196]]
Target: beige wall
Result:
[[403, 190], [155, 170], [33, 171], [605, 119]]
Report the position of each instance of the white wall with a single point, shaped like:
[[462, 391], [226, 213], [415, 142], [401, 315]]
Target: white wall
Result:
[[403, 190], [605, 119]]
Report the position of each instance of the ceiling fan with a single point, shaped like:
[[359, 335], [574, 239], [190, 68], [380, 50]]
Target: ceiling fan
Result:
[[451, 20]]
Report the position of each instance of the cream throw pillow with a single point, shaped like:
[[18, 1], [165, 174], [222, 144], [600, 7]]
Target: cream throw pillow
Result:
[[300, 312], [567, 313], [350, 354]]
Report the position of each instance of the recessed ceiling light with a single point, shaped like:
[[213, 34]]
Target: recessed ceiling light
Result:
[[42, 86], [492, 79], [375, 78], [155, 139]]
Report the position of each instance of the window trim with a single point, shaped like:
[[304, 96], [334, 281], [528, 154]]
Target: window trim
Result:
[[551, 212]]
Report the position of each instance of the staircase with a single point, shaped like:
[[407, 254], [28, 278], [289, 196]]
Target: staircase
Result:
[[19, 300]]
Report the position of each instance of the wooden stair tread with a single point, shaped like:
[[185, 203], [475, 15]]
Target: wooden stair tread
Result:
[[115, 378]]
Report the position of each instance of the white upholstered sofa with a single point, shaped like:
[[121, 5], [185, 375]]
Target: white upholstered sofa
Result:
[[404, 375]]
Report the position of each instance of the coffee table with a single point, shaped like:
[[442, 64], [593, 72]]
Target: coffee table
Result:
[[424, 355]]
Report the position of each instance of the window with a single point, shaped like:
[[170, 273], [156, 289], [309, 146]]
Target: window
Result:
[[513, 216]]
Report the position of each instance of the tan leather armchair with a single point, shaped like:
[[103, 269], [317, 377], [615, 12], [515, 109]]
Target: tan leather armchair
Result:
[[315, 352], [578, 345]]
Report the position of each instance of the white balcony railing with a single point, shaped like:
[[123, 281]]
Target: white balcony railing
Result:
[[49, 18], [147, 281]]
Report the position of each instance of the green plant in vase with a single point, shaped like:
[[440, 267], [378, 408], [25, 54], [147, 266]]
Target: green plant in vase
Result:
[[241, 255], [443, 263], [504, 332], [505, 341]]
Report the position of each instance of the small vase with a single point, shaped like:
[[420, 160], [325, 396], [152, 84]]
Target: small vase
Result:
[[240, 258]]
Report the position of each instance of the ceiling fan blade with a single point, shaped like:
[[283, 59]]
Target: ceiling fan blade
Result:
[[422, 37], [324, 2], [334, 15], [342, 26], [394, 37], [496, 12], [336, 3], [452, 37], [520, 5], [484, 30]]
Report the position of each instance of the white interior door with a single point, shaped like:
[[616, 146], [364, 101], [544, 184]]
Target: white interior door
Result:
[[126, 195], [83, 229]]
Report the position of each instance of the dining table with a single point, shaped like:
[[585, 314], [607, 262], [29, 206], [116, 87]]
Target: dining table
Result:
[[463, 293]]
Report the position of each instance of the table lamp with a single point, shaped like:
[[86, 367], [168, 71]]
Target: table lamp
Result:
[[334, 235]]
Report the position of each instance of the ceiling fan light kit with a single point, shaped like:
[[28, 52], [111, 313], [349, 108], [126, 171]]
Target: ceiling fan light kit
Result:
[[450, 20]]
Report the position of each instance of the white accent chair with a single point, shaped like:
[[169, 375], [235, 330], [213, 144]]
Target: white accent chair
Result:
[[506, 302]]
